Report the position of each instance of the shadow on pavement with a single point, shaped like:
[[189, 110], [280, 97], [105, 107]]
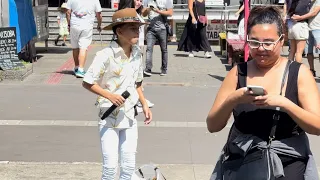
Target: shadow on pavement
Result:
[[220, 78], [223, 60], [181, 55], [68, 72], [53, 50], [187, 55]]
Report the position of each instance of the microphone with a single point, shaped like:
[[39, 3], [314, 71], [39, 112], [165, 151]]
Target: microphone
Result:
[[125, 95]]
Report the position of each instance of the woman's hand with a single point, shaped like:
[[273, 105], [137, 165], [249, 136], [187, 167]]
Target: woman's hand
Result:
[[243, 95], [147, 113], [116, 99], [296, 17], [270, 100], [194, 21]]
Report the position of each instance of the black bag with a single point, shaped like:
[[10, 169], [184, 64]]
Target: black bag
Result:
[[167, 25], [169, 29]]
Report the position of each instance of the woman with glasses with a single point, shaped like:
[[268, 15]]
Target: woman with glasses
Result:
[[274, 101]]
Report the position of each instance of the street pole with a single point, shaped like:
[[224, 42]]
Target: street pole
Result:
[[246, 16]]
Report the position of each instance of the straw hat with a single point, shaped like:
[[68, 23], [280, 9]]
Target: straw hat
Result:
[[64, 5], [127, 15]]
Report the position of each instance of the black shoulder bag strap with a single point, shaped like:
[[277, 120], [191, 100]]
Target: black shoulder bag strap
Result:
[[276, 118], [276, 115]]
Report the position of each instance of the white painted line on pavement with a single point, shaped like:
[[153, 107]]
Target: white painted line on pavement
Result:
[[92, 163], [77, 123]]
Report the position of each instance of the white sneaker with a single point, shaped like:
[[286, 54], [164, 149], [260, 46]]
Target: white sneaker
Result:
[[207, 55], [191, 54]]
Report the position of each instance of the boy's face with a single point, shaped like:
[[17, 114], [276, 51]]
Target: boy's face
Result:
[[64, 10], [129, 32]]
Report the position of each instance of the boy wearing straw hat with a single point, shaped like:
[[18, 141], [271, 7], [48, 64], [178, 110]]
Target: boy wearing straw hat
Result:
[[114, 70]]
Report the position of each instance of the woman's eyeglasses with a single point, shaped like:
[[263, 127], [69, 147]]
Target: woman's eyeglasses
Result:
[[266, 45]]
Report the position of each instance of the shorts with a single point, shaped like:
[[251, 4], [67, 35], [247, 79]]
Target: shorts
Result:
[[314, 40], [80, 38], [63, 31], [298, 30]]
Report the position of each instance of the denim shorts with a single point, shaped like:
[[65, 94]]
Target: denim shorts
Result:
[[314, 39]]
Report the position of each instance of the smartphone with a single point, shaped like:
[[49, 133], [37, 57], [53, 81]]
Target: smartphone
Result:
[[257, 90]]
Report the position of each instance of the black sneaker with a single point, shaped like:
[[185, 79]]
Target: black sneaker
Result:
[[147, 72], [163, 73], [63, 44]]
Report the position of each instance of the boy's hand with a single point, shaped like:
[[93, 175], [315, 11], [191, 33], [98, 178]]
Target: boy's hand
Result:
[[116, 99], [148, 114]]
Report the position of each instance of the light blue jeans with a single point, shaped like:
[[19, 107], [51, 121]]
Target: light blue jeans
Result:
[[314, 40], [113, 142]]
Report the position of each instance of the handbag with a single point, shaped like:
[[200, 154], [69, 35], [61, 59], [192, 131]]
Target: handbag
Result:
[[167, 25], [202, 19], [241, 168]]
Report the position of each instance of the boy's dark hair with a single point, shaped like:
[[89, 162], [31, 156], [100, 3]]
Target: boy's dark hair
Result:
[[114, 28], [266, 15], [139, 10]]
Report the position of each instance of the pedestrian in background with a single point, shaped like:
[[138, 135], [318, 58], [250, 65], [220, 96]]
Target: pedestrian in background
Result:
[[313, 18], [63, 24], [157, 12], [81, 16], [194, 36], [298, 31]]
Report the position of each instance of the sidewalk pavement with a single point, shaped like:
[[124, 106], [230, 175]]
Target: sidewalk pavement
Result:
[[92, 171], [48, 128]]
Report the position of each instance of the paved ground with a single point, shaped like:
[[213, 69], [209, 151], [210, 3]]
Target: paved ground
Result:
[[48, 125]]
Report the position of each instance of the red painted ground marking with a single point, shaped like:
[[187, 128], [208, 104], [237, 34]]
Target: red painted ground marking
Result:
[[56, 77]]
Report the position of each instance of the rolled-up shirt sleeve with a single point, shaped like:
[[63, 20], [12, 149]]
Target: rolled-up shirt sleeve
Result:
[[97, 68]]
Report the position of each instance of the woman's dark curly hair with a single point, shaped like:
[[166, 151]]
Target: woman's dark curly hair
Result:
[[266, 15]]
